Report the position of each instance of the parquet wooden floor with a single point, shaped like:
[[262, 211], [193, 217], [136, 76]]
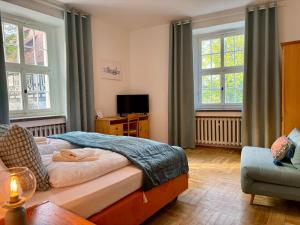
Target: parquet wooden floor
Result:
[[215, 197]]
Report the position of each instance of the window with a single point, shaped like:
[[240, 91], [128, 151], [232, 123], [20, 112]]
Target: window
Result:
[[220, 70], [27, 68]]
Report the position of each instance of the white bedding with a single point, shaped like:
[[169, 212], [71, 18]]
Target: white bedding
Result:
[[93, 196], [86, 188], [64, 174], [54, 145]]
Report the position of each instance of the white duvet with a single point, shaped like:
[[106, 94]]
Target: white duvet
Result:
[[64, 174]]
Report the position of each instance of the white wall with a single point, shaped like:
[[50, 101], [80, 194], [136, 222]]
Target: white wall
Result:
[[288, 20], [149, 55], [149, 49], [109, 43], [144, 56], [146, 53]]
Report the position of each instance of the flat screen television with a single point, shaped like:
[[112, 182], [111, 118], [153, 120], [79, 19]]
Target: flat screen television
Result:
[[132, 104]]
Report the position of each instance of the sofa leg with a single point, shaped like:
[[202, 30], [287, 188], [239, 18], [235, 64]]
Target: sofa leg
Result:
[[252, 199]]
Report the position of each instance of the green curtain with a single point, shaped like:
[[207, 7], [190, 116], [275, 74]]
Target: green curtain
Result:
[[80, 89], [181, 86], [262, 95], [4, 106]]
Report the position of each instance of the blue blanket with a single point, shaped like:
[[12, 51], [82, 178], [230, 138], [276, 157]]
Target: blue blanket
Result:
[[159, 162]]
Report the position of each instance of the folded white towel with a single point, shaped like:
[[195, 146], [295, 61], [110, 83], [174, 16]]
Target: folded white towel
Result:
[[57, 157], [79, 153], [41, 140], [75, 155]]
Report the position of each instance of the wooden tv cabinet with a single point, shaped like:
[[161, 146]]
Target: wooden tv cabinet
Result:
[[115, 125]]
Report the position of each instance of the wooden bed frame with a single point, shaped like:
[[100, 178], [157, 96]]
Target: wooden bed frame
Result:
[[139, 206]]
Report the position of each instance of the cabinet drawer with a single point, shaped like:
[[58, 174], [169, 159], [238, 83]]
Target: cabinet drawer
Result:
[[144, 128], [116, 129]]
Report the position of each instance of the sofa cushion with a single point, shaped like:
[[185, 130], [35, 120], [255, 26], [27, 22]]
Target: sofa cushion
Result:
[[18, 149], [280, 148], [294, 136], [257, 165]]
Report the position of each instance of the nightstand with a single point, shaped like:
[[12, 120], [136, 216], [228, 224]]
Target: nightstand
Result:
[[48, 213]]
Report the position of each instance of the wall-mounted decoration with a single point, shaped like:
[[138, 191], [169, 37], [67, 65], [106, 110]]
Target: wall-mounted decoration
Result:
[[111, 69]]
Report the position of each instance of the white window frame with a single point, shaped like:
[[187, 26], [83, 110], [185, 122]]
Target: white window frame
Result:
[[199, 72], [23, 68]]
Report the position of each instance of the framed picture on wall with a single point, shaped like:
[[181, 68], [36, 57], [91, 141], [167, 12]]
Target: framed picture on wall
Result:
[[111, 69]]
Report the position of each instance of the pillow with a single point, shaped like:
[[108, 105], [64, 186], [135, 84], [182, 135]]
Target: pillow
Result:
[[294, 136], [280, 148], [3, 129], [17, 148], [60, 144], [54, 145], [46, 149]]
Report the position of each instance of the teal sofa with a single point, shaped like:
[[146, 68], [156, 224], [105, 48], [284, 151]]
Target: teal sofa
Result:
[[260, 176]]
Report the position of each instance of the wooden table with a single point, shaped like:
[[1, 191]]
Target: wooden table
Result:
[[50, 214]]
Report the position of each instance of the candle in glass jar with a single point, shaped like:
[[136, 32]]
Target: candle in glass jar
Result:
[[14, 195]]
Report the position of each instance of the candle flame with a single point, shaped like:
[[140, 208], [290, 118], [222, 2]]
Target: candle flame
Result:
[[13, 187]]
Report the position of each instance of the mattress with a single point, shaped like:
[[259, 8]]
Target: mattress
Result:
[[91, 197]]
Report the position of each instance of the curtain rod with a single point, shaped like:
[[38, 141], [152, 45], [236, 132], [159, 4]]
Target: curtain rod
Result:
[[181, 22], [77, 12], [251, 8], [237, 12]]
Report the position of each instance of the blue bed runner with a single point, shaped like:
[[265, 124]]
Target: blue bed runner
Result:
[[159, 162]]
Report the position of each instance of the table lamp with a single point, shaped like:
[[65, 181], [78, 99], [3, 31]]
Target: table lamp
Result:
[[17, 186]]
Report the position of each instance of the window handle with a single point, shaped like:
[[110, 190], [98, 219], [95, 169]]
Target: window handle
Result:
[[222, 88], [25, 91]]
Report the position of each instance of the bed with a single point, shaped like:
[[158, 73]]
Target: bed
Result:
[[117, 197]]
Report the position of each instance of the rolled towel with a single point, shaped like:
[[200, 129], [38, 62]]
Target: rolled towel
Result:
[[57, 157], [41, 140], [75, 155]]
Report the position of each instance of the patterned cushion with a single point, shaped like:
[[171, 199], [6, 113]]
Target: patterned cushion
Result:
[[18, 148], [280, 148], [3, 129]]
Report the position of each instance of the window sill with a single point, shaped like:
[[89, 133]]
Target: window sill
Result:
[[39, 121], [219, 113], [26, 119], [218, 110]]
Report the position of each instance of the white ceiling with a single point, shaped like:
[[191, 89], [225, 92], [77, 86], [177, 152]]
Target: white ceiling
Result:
[[135, 14]]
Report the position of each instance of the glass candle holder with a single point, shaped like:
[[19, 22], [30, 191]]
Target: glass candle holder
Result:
[[18, 185]]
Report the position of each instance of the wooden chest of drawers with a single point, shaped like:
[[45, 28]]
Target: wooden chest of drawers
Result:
[[117, 125]]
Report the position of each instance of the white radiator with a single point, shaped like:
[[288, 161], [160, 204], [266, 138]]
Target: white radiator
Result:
[[218, 130], [44, 131], [45, 126]]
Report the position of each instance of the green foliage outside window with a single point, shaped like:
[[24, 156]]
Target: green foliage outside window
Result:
[[212, 58], [10, 38], [211, 53], [211, 89]]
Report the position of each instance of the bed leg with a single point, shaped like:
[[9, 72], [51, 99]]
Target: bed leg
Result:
[[252, 199]]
